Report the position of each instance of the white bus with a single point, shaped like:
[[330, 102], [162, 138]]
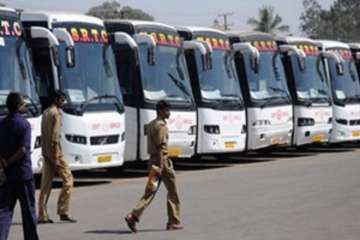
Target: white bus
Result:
[[16, 74], [151, 67], [72, 53], [308, 86], [220, 107], [345, 88], [267, 98]]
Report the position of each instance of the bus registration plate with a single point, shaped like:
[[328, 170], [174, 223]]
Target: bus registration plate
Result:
[[104, 159], [174, 152], [356, 133], [230, 145], [318, 138], [275, 140]]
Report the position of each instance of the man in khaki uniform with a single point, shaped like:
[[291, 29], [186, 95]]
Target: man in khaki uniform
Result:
[[160, 169], [54, 163]]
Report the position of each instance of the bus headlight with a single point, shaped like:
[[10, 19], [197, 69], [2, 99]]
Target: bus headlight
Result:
[[192, 130], [76, 139], [342, 121], [212, 129], [302, 122], [261, 123]]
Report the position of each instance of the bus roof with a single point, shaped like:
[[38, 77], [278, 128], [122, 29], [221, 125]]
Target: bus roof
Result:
[[139, 23], [5, 9], [250, 36], [52, 17], [326, 44], [249, 33], [292, 40], [354, 46], [199, 29]]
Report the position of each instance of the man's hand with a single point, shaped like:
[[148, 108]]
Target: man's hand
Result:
[[57, 160]]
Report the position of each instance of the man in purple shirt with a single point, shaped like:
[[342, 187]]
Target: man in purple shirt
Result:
[[15, 140]]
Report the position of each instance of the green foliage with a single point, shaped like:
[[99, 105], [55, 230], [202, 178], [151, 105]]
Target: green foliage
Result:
[[112, 10], [268, 21], [340, 22]]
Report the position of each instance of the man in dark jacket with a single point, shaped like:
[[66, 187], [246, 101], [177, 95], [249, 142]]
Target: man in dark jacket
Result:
[[15, 161]]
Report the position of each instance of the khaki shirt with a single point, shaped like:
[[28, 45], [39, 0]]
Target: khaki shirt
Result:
[[157, 137], [50, 132]]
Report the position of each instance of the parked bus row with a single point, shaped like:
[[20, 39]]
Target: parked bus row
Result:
[[229, 92]]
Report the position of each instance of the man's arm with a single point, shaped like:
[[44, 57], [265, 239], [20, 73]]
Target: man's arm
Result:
[[162, 145], [25, 141], [55, 139]]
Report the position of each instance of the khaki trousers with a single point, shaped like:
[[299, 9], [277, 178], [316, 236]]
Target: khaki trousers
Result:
[[48, 173], [173, 203]]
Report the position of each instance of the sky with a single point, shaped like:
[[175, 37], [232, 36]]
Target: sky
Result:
[[185, 12]]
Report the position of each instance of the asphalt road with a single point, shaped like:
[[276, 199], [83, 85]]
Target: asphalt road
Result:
[[283, 195]]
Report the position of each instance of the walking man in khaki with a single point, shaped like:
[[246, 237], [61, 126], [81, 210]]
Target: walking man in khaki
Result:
[[54, 162], [160, 169]]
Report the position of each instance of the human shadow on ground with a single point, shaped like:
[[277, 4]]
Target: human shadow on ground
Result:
[[121, 232]]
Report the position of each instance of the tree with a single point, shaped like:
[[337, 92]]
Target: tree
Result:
[[134, 13], [113, 10], [340, 22], [268, 21]]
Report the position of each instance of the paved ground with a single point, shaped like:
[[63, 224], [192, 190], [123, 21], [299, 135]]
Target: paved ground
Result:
[[285, 195]]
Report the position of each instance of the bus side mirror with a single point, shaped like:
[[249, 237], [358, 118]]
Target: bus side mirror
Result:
[[357, 56], [64, 36], [255, 64], [199, 46], [70, 57], [340, 68], [244, 48], [149, 41], [208, 56], [300, 55], [339, 61], [123, 38], [44, 33]]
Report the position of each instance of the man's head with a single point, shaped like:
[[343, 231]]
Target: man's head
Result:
[[163, 109], [15, 103], [59, 98]]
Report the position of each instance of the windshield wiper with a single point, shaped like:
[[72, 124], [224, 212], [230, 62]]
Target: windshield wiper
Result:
[[182, 88], [232, 98], [353, 98], [268, 101], [84, 105], [306, 102]]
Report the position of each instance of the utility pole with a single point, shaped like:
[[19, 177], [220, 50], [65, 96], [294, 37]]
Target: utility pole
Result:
[[225, 16]]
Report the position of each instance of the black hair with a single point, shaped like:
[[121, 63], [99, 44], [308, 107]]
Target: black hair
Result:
[[161, 105], [13, 100], [58, 94]]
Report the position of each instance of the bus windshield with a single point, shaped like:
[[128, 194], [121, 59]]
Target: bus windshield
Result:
[[221, 81], [93, 76], [310, 84], [15, 70], [168, 78], [346, 87], [269, 82]]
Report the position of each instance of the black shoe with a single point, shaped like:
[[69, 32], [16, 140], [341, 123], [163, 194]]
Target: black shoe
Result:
[[67, 218], [131, 222], [47, 221]]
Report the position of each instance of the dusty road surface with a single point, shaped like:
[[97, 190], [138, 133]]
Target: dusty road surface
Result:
[[283, 195]]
